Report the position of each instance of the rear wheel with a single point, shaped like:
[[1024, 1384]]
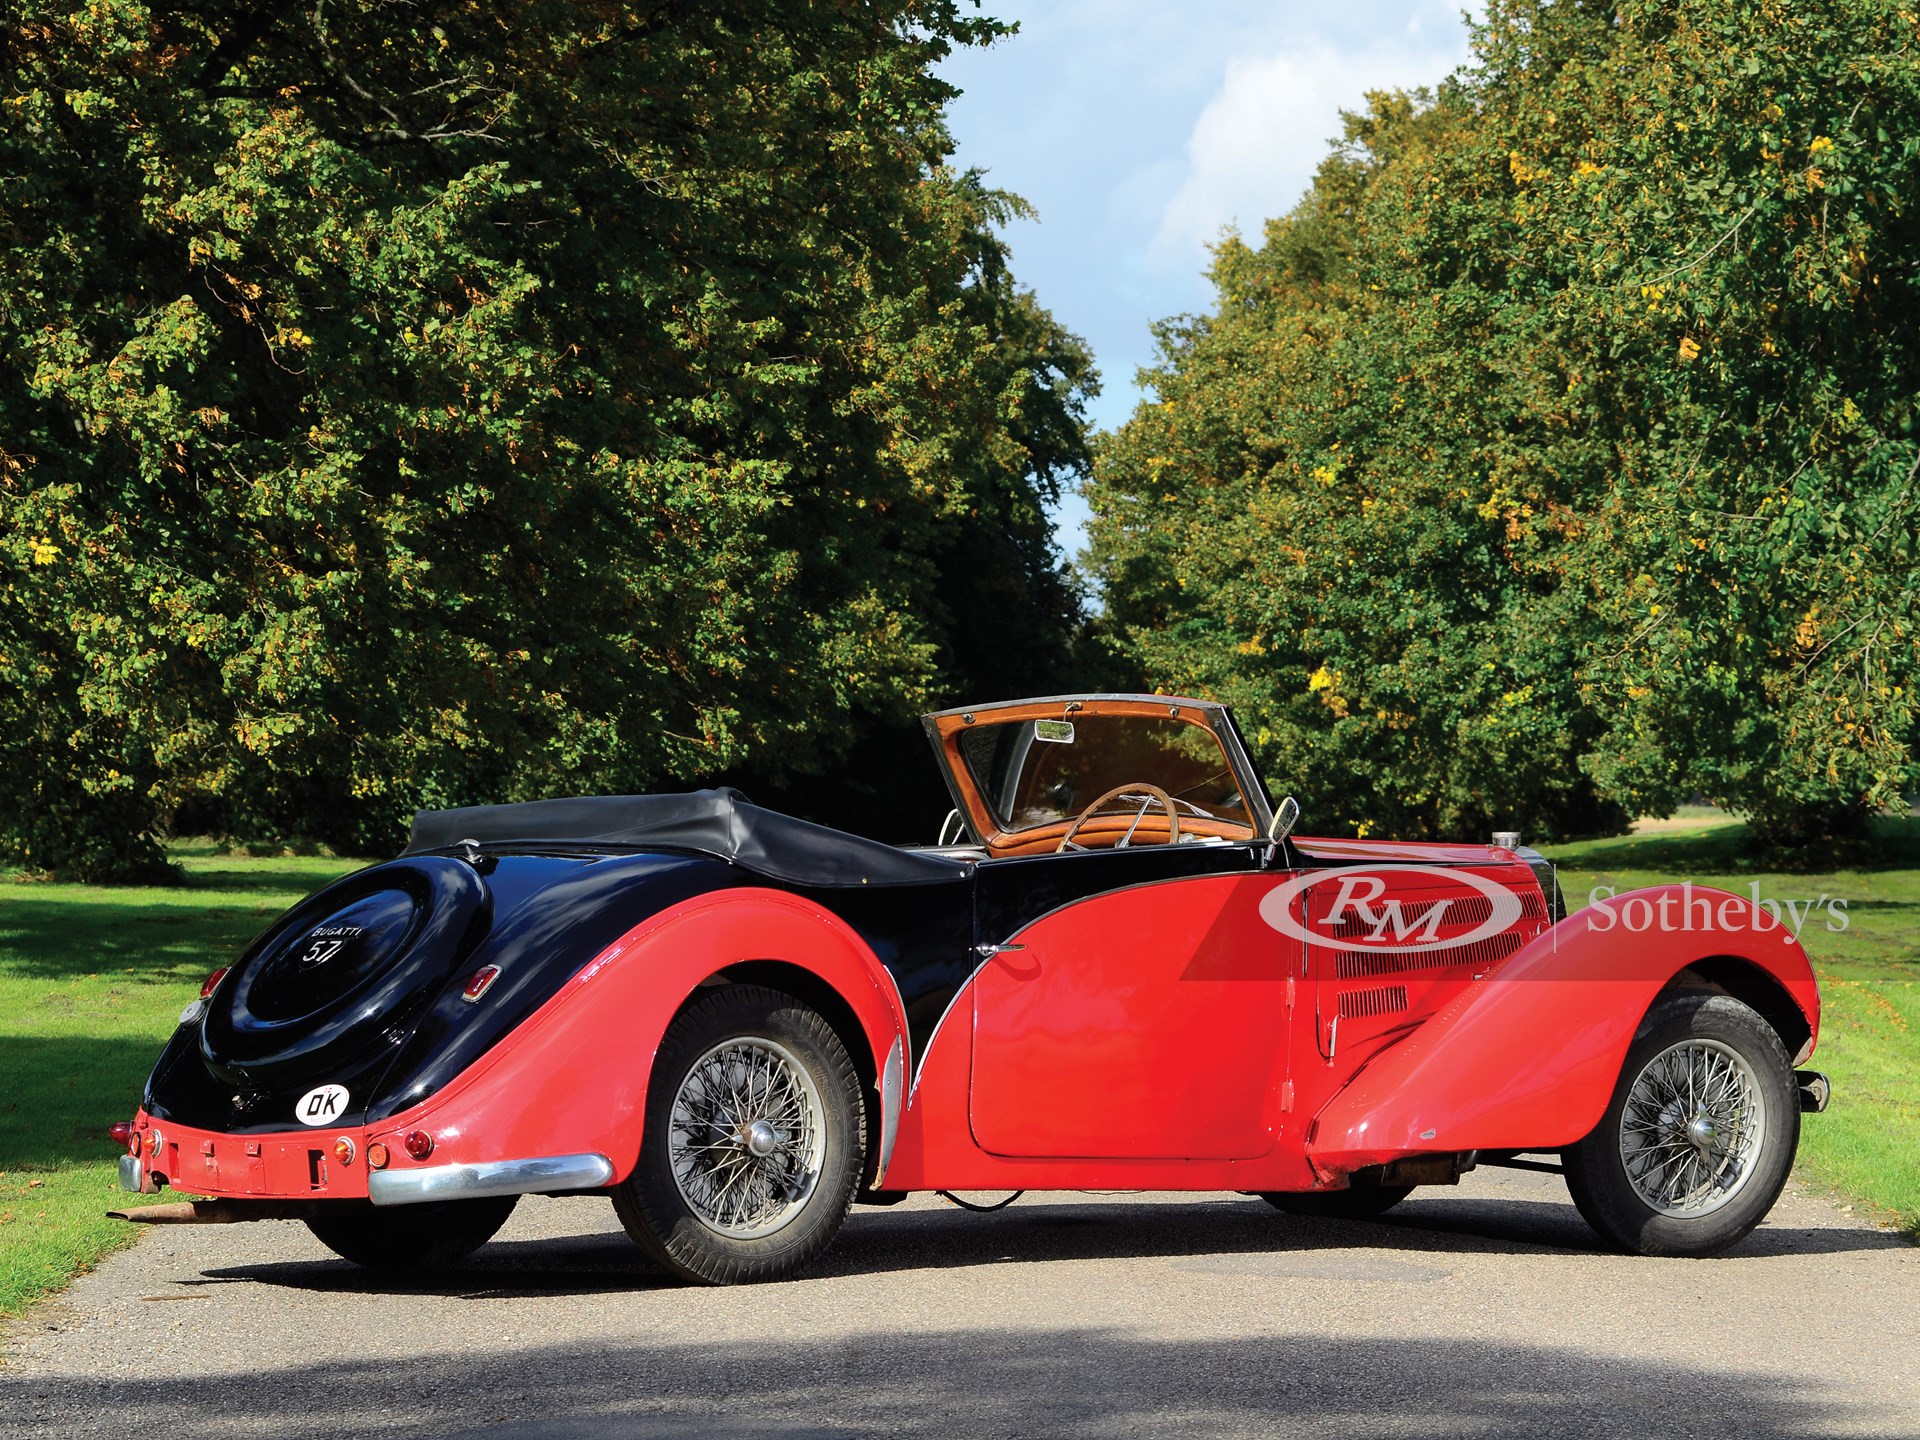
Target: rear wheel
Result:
[[413, 1237], [1358, 1202], [753, 1143], [1699, 1137]]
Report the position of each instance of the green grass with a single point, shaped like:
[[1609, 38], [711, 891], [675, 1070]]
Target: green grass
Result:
[[1867, 1145], [91, 982]]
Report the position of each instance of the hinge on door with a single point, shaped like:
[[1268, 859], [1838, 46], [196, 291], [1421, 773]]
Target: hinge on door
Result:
[[1332, 1040], [1286, 1096], [1289, 992]]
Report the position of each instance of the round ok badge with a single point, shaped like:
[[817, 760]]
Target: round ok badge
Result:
[[322, 1106]]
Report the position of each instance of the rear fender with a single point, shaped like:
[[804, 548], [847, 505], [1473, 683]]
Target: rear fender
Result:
[[572, 1079], [1527, 1058]]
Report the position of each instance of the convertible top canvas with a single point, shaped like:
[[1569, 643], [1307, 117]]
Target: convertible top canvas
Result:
[[722, 823]]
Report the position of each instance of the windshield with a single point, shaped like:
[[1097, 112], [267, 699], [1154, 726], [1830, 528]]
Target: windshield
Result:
[[1041, 772]]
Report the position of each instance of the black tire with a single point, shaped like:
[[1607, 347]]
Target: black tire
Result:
[[802, 1188], [1709, 1025], [1358, 1202], [413, 1237]]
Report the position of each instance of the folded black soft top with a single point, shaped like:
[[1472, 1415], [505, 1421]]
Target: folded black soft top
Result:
[[721, 823]]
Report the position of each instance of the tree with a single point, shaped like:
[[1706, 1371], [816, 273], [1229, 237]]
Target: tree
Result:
[[1554, 459], [410, 405]]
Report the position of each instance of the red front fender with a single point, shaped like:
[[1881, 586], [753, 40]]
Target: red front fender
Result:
[[1527, 1058]]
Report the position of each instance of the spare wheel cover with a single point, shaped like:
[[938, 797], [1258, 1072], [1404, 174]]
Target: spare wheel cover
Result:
[[315, 992]]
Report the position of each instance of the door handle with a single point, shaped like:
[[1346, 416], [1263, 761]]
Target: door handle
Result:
[[987, 951]]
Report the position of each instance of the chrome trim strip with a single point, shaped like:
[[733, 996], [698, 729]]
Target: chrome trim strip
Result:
[[891, 1078], [492, 1177], [964, 992], [1253, 872]]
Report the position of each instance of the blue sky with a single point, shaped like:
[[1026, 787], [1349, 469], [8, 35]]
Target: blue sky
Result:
[[1139, 129]]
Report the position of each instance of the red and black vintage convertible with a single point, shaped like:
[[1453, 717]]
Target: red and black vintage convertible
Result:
[[1124, 973]]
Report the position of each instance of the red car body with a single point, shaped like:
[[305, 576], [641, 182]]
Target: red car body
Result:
[[1222, 1008]]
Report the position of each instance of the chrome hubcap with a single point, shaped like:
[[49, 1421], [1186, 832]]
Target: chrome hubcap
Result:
[[1693, 1126], [746, 1139], [762, 1138]]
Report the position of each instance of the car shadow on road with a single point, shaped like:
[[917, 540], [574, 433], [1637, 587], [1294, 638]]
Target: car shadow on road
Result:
[[1230, 1235], [585, 1264], [894, 1380], [1520, 1226], [1060, 1229]]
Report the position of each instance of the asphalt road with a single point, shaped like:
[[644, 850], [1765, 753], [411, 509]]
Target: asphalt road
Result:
[[1485, 1311]]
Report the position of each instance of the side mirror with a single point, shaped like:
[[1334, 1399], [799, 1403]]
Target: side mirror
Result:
[[1284, 819]]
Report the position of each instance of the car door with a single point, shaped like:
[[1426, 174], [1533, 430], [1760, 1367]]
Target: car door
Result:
[[1142, 1015]]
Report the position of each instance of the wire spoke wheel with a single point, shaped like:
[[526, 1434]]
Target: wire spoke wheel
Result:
[[1697, 1141], [746, 1137], [754, 1139], [1695, 1118]]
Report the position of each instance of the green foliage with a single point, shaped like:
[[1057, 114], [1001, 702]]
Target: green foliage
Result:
[[1555, 458], [408, 405]]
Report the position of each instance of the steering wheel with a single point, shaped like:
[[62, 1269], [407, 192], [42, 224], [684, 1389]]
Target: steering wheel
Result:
[[1152, 793]]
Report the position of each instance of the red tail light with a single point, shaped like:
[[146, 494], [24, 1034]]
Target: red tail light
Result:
[[212, 982], [478, 982], [122, 1133], [419, 1144]]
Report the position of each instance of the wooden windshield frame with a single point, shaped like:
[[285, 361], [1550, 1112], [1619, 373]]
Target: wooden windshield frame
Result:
[[945, 728]]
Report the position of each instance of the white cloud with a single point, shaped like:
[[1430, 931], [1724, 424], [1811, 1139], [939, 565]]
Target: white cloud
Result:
[[1253, 150]]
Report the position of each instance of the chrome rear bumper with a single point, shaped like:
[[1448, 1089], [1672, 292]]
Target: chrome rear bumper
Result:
[[494, 1177]]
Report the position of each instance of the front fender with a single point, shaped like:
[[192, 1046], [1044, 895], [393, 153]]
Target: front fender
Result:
[[1527, 1058], [572, 1078]]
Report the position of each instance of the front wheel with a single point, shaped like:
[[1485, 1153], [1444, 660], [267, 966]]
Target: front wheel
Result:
[[1699, 1137], [413, 1237], [753, 1140]]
